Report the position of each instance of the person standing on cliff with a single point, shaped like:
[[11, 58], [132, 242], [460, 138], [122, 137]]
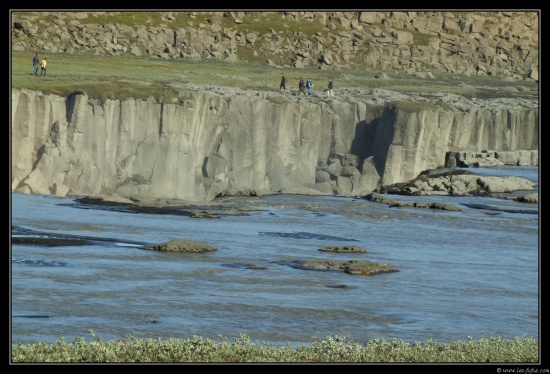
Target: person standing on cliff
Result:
[[309, 86], [35, 63], [282, 86], [301, 86], [330, 88], [43, 67]]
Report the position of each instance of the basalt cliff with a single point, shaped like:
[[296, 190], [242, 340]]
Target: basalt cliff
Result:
[[218, 141]]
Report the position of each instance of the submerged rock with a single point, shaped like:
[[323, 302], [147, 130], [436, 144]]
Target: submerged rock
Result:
[[377, 198], [153, 205], [181, 246], [353, 267], [343, 249]]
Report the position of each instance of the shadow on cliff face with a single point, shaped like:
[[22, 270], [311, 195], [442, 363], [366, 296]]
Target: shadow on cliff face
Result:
[[371, 139], [71, 102]]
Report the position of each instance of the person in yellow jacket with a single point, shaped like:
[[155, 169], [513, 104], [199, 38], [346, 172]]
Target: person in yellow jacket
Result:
[[43, 67]]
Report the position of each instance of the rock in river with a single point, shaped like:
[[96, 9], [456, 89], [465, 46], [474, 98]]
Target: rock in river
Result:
[[354, 267], [181, 246]]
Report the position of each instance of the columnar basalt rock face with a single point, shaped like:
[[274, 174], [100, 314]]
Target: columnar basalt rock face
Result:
[[213, 143]]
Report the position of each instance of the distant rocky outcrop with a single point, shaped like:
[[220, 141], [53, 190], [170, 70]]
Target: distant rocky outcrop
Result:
[[458, 182], [420, 43], [491, 158]]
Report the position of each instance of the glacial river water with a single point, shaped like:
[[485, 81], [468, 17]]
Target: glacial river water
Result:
[[469, 273]]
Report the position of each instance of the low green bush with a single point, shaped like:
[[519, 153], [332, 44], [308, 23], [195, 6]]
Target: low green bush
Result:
[[331, 350]]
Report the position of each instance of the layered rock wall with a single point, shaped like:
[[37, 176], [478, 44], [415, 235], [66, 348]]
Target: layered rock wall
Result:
[[212, 143], [504, 44]]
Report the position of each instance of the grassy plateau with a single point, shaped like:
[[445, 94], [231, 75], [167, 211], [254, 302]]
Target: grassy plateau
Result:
[[123, 77]]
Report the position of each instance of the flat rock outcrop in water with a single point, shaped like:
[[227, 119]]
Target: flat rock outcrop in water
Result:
[[343, 249], [353, 267], [181, 246], [152, 205], [457, 182], [378, 198]]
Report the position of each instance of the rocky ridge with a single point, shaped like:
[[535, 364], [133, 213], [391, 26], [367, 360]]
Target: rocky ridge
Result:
[[504, 44]]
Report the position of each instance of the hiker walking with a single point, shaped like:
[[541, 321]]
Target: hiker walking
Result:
[[43, 67], [282, 86], [301, 86], [309, 85], [330, 88], [35, 64]]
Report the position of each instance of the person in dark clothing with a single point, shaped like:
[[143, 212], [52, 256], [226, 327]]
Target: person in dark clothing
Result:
[[301, 86], [35, 64], [282, 86]]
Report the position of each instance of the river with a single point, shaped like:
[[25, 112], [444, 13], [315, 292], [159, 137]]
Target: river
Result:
[[461, 274]]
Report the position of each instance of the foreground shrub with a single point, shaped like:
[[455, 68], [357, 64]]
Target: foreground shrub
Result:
[[241, 349]]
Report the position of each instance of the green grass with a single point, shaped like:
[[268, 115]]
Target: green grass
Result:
[[241, 349], [122, 77]]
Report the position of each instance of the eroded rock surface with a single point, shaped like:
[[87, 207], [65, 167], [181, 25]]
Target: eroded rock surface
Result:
[[378, 198], [353, 267], [181, 246], [459, 182], [152, 205]]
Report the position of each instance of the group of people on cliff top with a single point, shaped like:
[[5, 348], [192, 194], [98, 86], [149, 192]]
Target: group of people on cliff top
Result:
[[307, 85], [302, 85], [36, 63]]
